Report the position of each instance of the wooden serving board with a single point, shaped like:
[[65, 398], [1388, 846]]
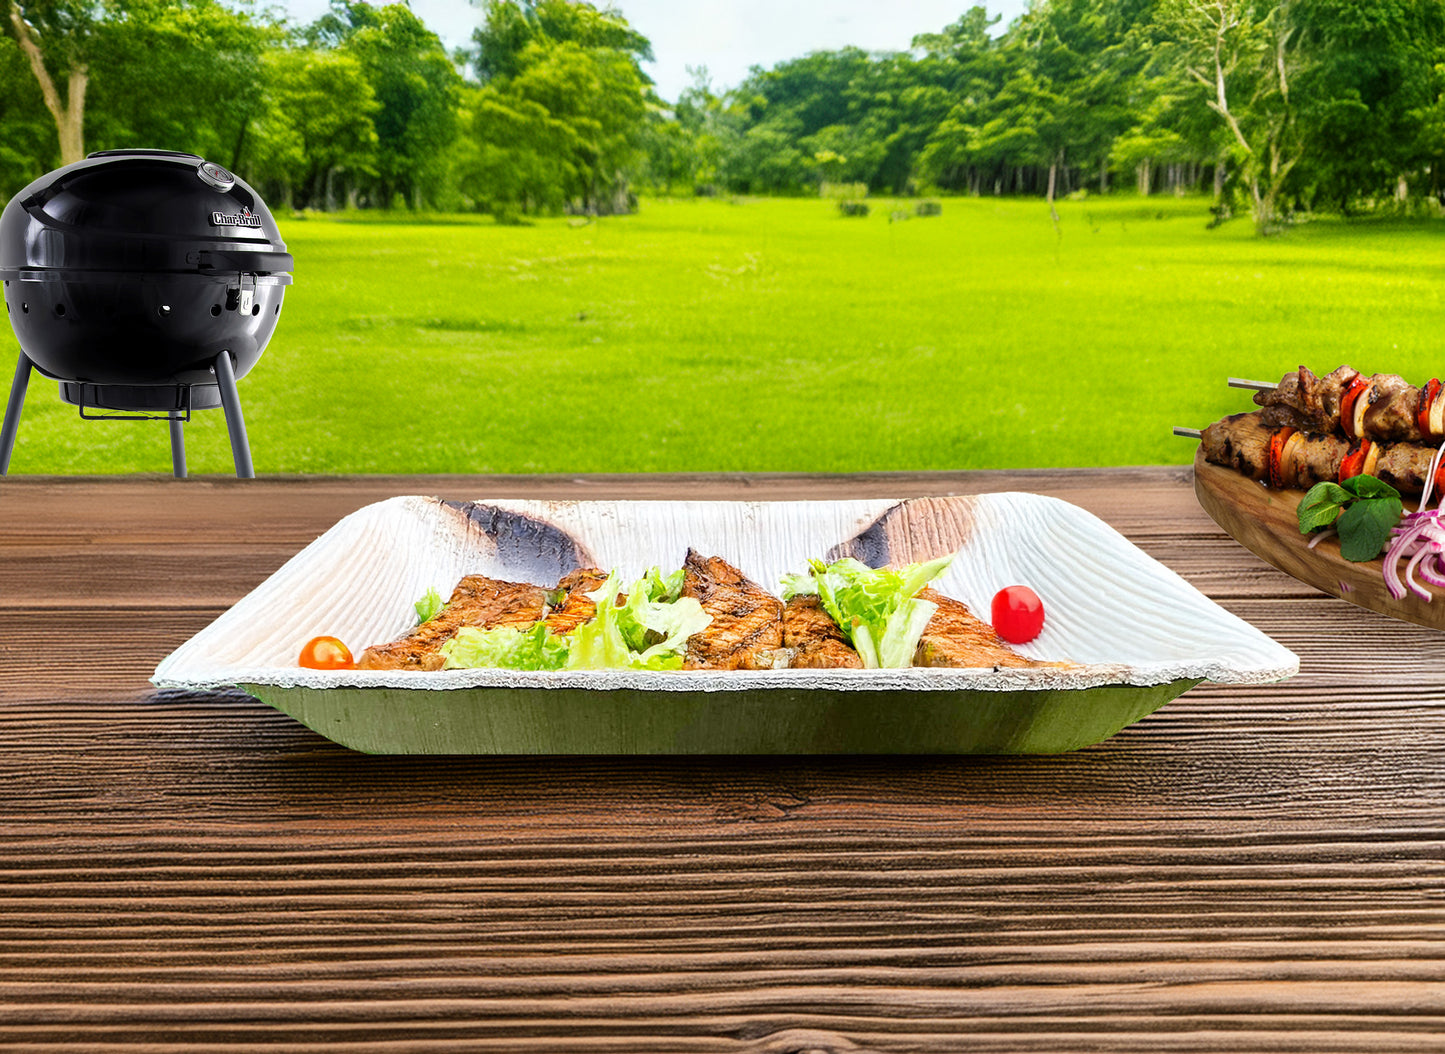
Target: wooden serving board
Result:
[[1266, 523]]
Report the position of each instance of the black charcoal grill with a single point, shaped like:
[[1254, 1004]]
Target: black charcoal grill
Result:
[[146, 282]]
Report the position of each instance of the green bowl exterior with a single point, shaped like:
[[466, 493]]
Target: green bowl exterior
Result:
[[811, 721]]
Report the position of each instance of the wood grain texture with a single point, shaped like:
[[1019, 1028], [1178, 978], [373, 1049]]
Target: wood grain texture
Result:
[[1249, 869], [1266, 522]]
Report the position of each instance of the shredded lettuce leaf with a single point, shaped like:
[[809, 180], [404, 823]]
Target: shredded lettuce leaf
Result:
[[647, 632], [535, 648], [428, 606], [877, 608]]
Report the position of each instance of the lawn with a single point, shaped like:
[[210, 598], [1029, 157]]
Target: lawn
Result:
[[775, 335]]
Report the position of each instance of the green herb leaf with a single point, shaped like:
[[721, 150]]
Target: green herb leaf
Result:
[[1362, 509], [1365, 526], [428, 607], [1368, 487], [1321, 506]]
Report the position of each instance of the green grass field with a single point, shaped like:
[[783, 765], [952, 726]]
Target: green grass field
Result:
[[775, 335]]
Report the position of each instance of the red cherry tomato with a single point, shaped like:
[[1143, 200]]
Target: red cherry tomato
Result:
[[326, 653], [1018, 614]]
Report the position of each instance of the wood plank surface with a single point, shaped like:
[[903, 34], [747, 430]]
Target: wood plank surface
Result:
[[1249, 869]]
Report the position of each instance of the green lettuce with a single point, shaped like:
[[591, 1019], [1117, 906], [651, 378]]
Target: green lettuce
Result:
[[429, 606], [647, 632], [534, 648], [877, 608]]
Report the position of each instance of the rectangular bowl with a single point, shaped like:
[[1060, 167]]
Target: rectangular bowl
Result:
[[1134, 633]]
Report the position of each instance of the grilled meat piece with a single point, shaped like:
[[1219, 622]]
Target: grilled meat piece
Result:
[[477, 601], [1313, 404], [955, 637], [746, 632], [575, 607], [1242, 442], [814, 639]]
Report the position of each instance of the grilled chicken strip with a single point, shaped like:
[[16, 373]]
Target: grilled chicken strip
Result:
[[574, 606], [954, 636], [1386, 408], [1243, 442], [814, 639], [746, 632], [477, 601]]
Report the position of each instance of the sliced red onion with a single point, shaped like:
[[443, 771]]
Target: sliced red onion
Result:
[[1430, 477], [1419, 539]]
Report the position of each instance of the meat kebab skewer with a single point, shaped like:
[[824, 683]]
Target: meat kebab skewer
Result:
[[1380, 407], [1283, 457]]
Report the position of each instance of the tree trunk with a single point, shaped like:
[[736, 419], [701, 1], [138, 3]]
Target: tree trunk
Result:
[[1144, 176], [69, 116], [1220, 174], [1104, 176], [1053, 181]]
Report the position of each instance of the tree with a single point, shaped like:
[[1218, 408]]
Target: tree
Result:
[[415, 86], [58, 38], [564, 100], [182, 76], [173, 56], [316, 127], [1362, 94], [1245, 54], [27, 133], [509, 27]]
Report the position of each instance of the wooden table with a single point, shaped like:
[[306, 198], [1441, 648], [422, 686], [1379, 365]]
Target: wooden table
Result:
[[1250, 869]]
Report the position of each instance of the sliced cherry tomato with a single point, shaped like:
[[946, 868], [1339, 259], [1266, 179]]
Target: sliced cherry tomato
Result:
[[1428, 395], [1276, 451], [326, 653], [1357, 387], [1353, 462], [1018, 614]]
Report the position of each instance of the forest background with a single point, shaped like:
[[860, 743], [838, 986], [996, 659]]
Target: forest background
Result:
[[1272, 107], [517, 257]]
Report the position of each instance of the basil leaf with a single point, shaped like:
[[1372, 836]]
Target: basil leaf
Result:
[[1365, 527], [1321, 506]]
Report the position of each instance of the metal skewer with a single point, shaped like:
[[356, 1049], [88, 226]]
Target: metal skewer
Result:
[[1257, 386], [1187, 433]]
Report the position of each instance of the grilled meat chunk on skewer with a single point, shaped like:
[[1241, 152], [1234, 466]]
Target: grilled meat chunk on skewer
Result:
[[1284, 457], [574, 606], [477, 601], [746, 632], [814, 639], [954, 636], [1381, 407]]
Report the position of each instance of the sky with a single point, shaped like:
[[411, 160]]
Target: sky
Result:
[[729, 36]]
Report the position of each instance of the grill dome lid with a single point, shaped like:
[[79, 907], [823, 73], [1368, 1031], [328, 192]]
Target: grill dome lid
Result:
[[140, 210]]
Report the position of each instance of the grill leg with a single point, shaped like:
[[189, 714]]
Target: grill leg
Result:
[[235, 423], [178, 446], [12, 411]]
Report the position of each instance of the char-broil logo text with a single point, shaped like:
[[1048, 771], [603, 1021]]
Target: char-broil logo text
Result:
[[235, 219]]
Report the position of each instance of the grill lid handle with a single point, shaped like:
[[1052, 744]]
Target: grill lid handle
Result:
[[255, 261]]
